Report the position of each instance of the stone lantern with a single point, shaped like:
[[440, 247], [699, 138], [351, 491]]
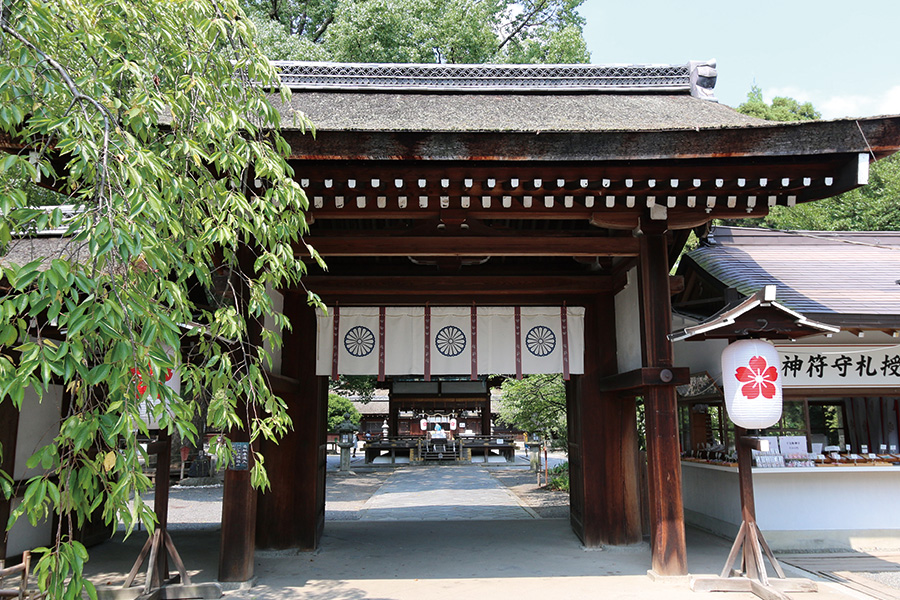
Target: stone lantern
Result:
[[346, 440]]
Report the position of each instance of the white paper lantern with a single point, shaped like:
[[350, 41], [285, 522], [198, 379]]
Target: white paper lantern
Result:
[[752, 382]]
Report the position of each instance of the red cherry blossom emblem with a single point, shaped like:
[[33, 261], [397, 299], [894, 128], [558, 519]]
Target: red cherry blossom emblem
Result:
[[759, 379]]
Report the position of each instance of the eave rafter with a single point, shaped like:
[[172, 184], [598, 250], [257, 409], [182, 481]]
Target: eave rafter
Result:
[[611, 195]]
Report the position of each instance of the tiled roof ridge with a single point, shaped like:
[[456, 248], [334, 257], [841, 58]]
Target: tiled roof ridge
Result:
[[724, 235], [695, 77]]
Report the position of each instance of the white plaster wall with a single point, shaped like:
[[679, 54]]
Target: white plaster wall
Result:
[[698, 356], [269, 324], [628, 325], [24, 537], [38, 425], [826, 508]]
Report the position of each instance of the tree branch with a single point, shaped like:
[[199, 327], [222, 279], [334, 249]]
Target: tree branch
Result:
[[321, 29], [77, 97], [523, 24]]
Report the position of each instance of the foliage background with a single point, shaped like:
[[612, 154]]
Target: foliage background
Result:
[[152, 120], [427, 31]]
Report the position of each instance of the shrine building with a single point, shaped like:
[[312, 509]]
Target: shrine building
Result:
[[514, 219], [462, 208]]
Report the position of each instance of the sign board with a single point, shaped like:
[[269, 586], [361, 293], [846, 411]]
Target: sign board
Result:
[[241, 460], [792, 444], [862, 366]]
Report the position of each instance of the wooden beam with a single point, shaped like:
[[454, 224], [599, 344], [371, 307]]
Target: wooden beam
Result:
[[538, 178], [645, 377], [620, 218], [470, 246], [452, 285], [776, 140]]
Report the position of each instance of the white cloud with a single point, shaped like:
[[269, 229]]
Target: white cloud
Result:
[[839, 106], [889, 103], [886, 102]]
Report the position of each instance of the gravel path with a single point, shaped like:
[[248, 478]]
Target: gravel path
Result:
[[548, 504], [888, 578]]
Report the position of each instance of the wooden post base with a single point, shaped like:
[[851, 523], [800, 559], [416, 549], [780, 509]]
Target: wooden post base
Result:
[[776, 589], [750, 545]]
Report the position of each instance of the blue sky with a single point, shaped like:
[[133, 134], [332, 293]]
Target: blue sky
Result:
[[843, 56]]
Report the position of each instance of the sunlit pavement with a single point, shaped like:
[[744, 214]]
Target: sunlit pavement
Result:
[[454, 554]]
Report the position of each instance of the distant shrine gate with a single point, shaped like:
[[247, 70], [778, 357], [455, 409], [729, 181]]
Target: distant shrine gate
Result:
[[469, 191]]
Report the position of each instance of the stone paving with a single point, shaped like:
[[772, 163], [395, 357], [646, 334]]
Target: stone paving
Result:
[[445, 493], [418, 532]]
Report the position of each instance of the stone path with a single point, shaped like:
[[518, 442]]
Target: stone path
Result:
[[443, 494]]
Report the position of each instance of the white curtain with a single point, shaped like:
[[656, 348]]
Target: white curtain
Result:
[[359, 335]]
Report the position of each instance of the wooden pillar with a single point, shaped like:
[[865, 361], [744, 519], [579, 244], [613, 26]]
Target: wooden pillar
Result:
[[667, 540], [161, 495], [393, 417], [9, 434], [292, 513], [486, 415], [603, 449], [236, 546], [238, 527]]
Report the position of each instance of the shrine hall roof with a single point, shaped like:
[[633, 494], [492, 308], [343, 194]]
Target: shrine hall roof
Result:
[[827, 275], [529, 98]]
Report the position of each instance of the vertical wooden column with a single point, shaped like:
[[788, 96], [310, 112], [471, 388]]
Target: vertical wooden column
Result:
[[9, 434], [292, 513], [236, 551], [603, 449], [238, 527], [486, 415], [663, 448], [161, 496], [393, 417]]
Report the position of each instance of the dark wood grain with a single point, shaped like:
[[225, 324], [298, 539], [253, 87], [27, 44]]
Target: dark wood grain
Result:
[[292, 513], [667, 537]]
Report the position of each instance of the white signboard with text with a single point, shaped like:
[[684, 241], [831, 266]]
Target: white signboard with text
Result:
[[859, 366]]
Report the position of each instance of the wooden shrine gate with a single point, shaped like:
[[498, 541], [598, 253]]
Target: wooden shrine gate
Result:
[[449, 185]]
